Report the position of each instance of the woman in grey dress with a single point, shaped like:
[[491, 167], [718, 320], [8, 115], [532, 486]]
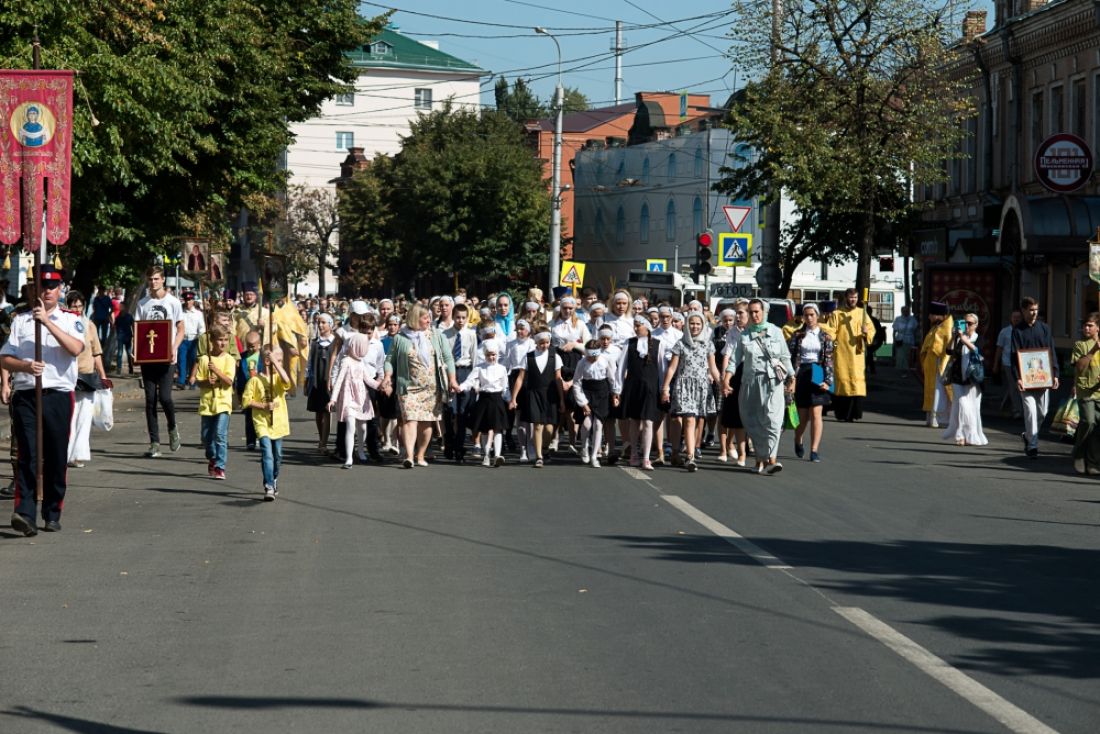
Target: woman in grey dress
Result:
[[691, 370], [767, 376]]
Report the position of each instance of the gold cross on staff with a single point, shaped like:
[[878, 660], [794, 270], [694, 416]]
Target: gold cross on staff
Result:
[[152, 340]]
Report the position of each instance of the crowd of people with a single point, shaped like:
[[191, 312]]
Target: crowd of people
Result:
[[455, 379]]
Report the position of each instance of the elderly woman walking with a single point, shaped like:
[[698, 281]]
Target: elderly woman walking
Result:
[[767, 375], [421, 369]]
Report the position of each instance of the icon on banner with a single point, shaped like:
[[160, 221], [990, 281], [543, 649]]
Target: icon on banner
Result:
[[735, 249]]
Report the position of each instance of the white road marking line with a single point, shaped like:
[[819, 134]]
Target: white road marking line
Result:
[[1012, 716], [636, 473], [750, 549]]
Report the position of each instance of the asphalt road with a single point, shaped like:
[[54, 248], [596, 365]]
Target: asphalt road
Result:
[[902, 585]]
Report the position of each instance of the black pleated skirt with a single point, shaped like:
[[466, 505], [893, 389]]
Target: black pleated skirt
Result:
[[489, 413]]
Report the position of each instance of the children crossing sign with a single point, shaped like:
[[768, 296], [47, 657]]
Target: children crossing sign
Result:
[[735, 249], [572, 274]]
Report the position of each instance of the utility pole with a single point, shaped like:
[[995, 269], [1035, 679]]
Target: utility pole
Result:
[[768, 275], [555, 188], [618, 62]]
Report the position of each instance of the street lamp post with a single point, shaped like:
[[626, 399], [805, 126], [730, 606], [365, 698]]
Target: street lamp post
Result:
[[555, 186]]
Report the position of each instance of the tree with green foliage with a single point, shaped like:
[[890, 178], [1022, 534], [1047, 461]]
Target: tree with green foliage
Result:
[[464, 195], [519, 103], [573, 100], [858, 99], [182, 108]]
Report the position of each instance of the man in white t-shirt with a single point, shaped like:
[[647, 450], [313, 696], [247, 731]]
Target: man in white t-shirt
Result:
[[62, 341], [160, 305]]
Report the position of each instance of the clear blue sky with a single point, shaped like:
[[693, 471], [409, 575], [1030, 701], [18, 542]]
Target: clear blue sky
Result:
[[670, 46]]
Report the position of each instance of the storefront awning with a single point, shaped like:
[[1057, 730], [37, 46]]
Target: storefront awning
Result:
[[1048, 225]]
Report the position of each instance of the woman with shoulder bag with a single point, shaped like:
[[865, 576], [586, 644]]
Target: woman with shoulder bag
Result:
[[966, 371]]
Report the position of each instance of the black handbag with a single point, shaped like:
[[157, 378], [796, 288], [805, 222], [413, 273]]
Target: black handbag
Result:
[[89, 382]]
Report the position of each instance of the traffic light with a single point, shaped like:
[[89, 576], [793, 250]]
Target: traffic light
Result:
[[704, 250]]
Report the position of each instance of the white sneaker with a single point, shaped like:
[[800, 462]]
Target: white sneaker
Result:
[[595, 462], [554, 445], [523, 458], [584, 455], [269, 493], [486, 461]]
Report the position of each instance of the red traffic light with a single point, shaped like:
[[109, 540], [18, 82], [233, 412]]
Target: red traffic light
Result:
[[705, 239]]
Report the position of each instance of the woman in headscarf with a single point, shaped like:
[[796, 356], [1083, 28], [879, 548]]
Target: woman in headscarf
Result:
[[640, 391], [317, 378], [421, 369], [505, 318], [351, 398], [768, 375], [687, 383]]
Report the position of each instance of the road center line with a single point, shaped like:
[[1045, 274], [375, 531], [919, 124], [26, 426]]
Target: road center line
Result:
[[750, 549], [1012, 716], [636, 473]]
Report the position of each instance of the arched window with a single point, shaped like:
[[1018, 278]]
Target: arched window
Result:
[[645, 172], [697, 214], [643, 224], [620, 226], [671, 166], [698, 163], [670, 220], [598, 234]]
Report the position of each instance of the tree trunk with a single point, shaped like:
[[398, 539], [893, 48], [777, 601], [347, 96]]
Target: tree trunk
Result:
[[322, 262], [866, 248]]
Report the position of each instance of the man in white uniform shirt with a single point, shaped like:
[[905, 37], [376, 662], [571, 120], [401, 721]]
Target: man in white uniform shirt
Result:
[[62, 341], [160, 305], [905, 337]]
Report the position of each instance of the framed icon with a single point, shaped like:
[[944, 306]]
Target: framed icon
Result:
[[216, 271], [194, 255], [273, 276], [153, 342], [1036, 372]]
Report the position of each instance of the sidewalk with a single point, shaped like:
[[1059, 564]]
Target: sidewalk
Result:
[[126, 391]]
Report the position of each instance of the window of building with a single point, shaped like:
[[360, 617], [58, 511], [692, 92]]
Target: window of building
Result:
[[697, 214], [643, 224], [1036, 121], [381, 48], [620, 226], [670, 220], [1057, 110], [1079, 108], [882, 305], [422, 99], [346, 100], [345, 140], [671, 166], [645, 171], [809, 296], [698, 163]]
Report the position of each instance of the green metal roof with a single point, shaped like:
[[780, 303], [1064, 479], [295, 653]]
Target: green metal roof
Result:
[[392, 50]]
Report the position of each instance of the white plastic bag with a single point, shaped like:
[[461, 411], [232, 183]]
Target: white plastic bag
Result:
[[103, 410]]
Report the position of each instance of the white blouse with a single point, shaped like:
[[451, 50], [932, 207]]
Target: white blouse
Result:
[[516, 356], [563, 331], [489, 378], [604, 368], [540, 361]]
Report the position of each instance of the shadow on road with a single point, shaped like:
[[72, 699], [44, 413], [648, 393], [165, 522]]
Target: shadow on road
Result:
[[1022, 582], [70, 723]]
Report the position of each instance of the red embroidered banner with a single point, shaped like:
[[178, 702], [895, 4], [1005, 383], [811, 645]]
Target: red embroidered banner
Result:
[[36, 114]]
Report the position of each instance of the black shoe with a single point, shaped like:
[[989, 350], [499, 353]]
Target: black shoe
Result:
[[7, 492], [460, 457], [799, 450], [21, 524], [1033, 453], [53, 526], [448, 454], [376, 457]]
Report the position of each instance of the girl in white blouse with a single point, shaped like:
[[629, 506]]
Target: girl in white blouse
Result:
[[595, 380], [489, 416]]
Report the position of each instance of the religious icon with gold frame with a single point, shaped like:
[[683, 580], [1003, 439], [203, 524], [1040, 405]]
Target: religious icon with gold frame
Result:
[[153, 340], [1035, 368]]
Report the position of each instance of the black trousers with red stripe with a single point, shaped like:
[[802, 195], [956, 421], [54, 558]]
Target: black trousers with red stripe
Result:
[[57, 414]]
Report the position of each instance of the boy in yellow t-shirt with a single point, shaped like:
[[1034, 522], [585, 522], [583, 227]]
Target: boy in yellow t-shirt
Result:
[[214, 374], [267, 399]]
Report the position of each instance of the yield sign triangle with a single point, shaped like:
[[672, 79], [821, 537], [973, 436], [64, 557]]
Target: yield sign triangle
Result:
[[736, 215]]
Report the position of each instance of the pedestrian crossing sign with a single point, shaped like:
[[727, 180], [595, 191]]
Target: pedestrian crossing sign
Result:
[[735, 249], [656, 266], [572, 274]]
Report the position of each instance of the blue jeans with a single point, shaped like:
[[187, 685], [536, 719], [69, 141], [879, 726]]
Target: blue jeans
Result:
[[185, 357], [271, 458], [215, 438], [122, 342]]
